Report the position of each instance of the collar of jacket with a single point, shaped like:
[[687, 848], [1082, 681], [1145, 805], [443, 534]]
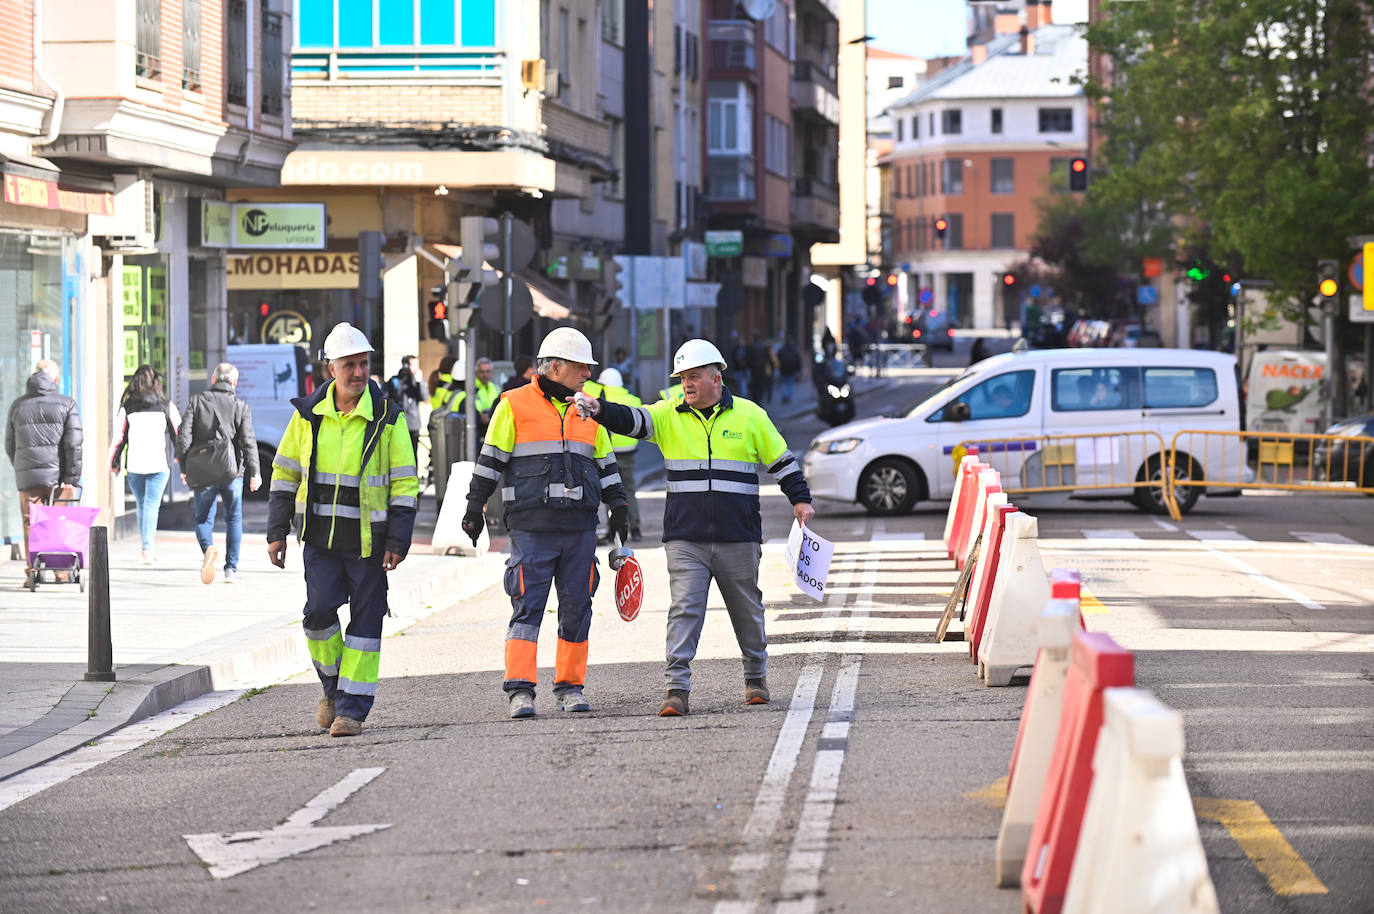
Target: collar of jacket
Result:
[[552, 390], [727, 401], [312, 405], [224, 387]]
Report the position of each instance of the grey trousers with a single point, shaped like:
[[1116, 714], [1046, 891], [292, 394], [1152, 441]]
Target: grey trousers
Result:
[[735, 568]]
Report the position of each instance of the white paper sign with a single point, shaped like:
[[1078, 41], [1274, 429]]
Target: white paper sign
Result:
[[1097, 451], [808, 555]]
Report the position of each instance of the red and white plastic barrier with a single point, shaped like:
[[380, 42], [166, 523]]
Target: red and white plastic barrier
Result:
[[449, 538], [985, 576], [961, 475], [1097, 663], [985, 482], [1139, 850], [1019, 593], [1030, 759]]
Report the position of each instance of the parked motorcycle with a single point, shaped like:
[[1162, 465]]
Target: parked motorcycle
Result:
[[835, 399]]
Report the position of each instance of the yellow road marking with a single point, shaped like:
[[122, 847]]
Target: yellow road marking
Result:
[[994, 794], [1264, 844], [1089, 604]]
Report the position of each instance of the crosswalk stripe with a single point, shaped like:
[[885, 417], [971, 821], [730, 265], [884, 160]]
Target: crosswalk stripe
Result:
[[1219, 536], [1325, 539], [1110, 534]]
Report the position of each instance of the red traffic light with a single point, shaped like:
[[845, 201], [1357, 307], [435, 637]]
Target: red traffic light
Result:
[[941, 224], [872, 281], [1079, 165], [1009, 279], [263, 308], [439, 310], [892, 279]]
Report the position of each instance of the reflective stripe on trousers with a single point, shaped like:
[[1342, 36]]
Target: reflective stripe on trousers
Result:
[[540, 562], [348, 664]]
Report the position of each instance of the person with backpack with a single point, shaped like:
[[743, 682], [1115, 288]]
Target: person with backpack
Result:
[[146, 421], [408, 390], [217, 449], [789, 367]]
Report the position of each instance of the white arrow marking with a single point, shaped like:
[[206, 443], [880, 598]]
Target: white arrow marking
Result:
[[239, 852]]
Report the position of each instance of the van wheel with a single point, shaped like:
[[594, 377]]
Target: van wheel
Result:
[[1151, 498], [890, 486]]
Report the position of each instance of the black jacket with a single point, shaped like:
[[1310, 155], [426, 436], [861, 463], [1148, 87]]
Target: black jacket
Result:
[[43, 436], [235, 419]]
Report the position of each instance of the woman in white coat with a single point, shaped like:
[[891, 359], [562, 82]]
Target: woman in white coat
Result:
[[147, 420]]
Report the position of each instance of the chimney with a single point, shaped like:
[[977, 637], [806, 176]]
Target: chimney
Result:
[[1027, 41], [979, 53], [1046, 12], [1033, 14], [1007, 22]]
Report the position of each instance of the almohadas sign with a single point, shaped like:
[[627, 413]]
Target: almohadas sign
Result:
[[278, 226]]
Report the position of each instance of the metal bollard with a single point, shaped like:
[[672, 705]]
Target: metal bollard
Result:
[[99, 652]]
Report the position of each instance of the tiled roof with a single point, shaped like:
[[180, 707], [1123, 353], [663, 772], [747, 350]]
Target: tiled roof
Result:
[[1060, 52]]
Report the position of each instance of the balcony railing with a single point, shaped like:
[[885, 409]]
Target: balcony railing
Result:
[[730, 177], [731, 44], [810, 71], [813, 187], [453, 65]]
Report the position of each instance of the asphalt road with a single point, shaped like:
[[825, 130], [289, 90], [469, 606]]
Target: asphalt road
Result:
[[869, 784]]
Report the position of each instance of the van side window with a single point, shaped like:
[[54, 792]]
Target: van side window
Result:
[[1004, 396], [1079, 389], [1173, 388]]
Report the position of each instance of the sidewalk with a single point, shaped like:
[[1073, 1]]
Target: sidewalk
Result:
[[175, 638]]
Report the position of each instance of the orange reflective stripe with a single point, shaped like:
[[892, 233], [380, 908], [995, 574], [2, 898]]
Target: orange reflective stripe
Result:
[[591, 580], [536, 419], [520, 660], [522, 580], [570, 667]]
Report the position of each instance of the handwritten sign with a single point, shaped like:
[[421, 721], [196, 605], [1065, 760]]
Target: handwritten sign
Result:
[[808, 555]]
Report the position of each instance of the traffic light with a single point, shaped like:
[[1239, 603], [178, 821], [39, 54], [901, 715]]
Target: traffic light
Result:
[[1328, 281], [1009, 280], [1078, 174], [615, 284], [941, 226], [438, 319]]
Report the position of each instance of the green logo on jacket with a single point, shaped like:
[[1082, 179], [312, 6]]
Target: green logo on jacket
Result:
[[737, 436]]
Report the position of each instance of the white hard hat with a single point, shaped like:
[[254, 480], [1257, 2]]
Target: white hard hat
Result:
[[694, 354], [343, 340], [567, 343], [611, 378]]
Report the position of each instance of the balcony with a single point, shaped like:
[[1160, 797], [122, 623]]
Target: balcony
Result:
[[731, 44], [448, 66], [814, 89], [815, 205], [730, 178]]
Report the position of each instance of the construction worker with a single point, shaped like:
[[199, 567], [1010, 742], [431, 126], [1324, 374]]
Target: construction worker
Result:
[[712, 444], [345, 473], [443, 387], [557, 467], [612, 386]]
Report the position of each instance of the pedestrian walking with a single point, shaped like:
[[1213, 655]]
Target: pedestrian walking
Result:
[[555, 469], [408, 390], [611, 385], [345, 474], [43, 441], [712, 443], [789, 367], [146, 422], [762, 365], [217, 449]]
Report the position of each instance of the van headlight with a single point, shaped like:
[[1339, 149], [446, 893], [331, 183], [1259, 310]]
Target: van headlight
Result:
[[837, 446]]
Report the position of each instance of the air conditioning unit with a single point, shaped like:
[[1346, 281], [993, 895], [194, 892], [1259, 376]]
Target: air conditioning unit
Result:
[[537, 76], [133, 227]]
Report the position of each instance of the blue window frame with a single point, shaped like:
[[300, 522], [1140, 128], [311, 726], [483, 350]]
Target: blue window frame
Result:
[[397, 23]]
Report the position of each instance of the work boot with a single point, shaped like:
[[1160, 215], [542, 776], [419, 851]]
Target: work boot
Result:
[[675, 705], [521, 704], [573, 701], [207, 565], [756, 691], [324, 713], [345, 726]]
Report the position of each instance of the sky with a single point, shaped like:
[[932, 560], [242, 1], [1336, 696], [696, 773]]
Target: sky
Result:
[[935, 28]]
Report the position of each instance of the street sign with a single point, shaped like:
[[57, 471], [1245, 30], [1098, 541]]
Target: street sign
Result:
[[493, 312], [1366, 256], [1035, 290], [725, 243], [1359, 314], [1150, 267], [927, 296], [1355, 272], [1146, 295]]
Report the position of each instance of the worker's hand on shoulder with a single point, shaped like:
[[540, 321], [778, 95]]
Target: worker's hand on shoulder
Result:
[[473, 525], [618, 523]]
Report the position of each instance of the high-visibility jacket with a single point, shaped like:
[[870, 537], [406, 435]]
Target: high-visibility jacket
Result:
[[486, 396], [621, 443], [671, 392], [345, 481], [555, 466], [712, 459], [442, 391]]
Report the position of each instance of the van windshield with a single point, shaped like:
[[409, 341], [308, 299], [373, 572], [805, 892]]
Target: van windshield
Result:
[[934, 397]]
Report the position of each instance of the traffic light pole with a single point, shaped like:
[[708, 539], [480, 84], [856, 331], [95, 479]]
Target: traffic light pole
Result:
[[507, 287], [470, 401]]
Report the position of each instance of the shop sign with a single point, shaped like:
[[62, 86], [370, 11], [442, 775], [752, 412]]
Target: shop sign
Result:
[[130, 352], [23, 191], [702, 294], [286, 270], [289, 226], [131, 289], [157, 295], [754, 273], [726, 243], [777, 246], [286, 327], [214, 226]]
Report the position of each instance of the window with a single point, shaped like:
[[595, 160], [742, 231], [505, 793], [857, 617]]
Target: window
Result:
[[899, 130], [236, 53], [930, 131], [272, 52], [777, 29], [1179, 388], [911, 180], [916, 127], [613, 29], [1004, 176], [996, 120], [775, 148], [148, 46], [615, 190], [895, 82], [954, 235], [564, 43], [190, 45], [1003, 230], [952, 176], [730, 119], [896, 182], [951, 122], [1082, 389], [399, 23], [1005, 396], [1056, 120]]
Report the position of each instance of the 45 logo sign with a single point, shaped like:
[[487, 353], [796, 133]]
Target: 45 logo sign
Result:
[[629, 589]]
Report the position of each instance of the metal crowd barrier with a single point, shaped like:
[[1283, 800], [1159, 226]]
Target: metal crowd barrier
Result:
[[882, 356], [1121, 462]]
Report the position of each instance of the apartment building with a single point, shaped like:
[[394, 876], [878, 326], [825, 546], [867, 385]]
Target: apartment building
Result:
[[976, 145], [122, 126]]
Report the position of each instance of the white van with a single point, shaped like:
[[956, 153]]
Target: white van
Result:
[[270, 375], [889, 464]]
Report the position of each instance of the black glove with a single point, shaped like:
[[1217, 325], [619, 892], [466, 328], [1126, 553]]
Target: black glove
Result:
[[473, 525], [618, 523]]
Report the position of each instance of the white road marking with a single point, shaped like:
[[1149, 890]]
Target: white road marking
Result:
[[1259, 577], [1325, 539], [1163, 524], [109, 747], [1110, 535], [232, 853], [1219, 536]]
